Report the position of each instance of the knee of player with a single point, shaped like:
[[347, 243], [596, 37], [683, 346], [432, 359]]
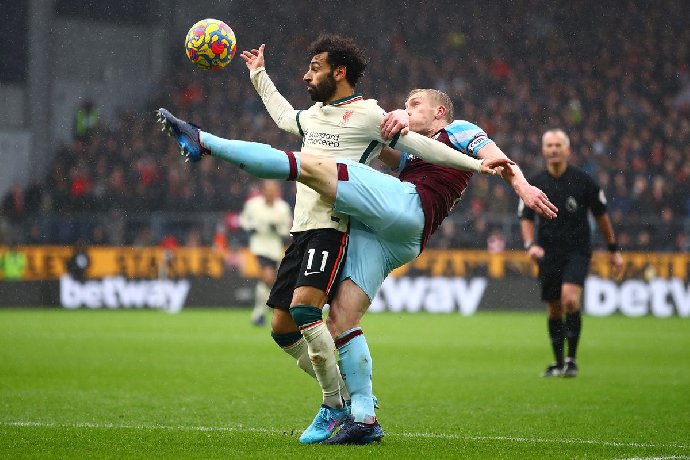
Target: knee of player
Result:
[[307, 295], [571, 304], [282, 322], [340, 320], [555, 310]]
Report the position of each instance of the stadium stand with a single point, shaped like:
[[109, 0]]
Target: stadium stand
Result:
[[514, 68]]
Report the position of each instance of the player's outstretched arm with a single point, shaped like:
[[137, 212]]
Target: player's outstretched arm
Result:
[[423, 147], [532, 196], [282, 112], [435, 152]]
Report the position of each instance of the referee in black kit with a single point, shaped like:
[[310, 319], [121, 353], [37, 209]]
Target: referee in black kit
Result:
[[563, 246]]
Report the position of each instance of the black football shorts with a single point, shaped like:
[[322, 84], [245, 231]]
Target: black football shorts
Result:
[[556, 269], [315, 258]]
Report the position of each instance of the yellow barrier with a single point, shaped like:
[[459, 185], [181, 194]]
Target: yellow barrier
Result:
[[49, 262]]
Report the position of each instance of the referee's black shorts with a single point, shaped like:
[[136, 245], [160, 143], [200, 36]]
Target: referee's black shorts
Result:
[[556, 269], [315, 258]]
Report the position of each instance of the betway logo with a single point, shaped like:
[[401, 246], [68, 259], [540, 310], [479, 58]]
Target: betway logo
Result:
[[117, 292], [435, 295], [659, 297]]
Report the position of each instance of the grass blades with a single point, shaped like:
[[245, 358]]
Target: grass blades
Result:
[[207, 384]]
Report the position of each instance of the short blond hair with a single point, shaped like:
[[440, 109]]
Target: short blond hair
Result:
[[439, 97]]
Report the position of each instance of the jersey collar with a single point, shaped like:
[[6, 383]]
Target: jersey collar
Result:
[[347, 100]]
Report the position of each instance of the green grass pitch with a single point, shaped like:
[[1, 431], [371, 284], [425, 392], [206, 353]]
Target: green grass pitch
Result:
[[206, 384]]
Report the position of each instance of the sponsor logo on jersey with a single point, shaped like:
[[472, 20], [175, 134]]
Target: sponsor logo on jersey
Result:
[[346, 117], [325, 139], [478, 139]]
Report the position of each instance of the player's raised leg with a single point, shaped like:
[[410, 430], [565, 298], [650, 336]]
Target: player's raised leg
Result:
[[259, 160]]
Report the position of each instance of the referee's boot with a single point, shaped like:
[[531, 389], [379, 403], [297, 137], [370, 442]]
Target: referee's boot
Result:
[[324, 424], [553, 370], [187, 135], [570, 368]]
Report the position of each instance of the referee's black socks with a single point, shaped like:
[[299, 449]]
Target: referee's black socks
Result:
[[557, 339], [573, 326]]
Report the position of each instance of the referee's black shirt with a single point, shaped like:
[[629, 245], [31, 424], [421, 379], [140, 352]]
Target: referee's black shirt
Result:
[[574, 193]]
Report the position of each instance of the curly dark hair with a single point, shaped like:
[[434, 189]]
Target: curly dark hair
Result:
[[341, 51]]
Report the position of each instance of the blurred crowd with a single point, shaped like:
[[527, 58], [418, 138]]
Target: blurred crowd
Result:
[[617, 81]]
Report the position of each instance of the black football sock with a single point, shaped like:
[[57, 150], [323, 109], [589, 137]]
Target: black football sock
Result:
[[557, 339], [573, 326]]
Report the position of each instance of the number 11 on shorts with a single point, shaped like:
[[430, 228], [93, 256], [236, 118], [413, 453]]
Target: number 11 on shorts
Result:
[[324, 259]]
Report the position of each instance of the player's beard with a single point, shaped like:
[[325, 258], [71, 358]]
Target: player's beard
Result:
[[324, 90]]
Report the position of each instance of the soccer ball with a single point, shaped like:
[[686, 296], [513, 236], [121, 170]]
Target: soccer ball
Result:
[[210, 44]]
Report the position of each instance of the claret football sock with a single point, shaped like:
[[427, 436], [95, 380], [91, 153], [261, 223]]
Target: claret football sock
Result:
[[260, 160], [355, 363], [557, 339]]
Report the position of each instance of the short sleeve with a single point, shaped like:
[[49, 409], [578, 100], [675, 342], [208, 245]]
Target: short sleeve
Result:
[[467, 137]]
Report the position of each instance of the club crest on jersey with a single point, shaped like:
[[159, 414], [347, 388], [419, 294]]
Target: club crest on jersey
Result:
[[571, 204], [346, 117]]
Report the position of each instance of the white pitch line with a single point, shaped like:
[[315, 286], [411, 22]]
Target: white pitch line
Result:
[[540, 440], [658, 458], [244, 429]]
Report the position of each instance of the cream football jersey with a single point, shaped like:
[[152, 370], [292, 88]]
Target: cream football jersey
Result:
[[349, 129]]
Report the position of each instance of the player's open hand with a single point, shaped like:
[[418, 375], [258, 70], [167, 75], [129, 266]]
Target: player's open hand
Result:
[[254, 58], [537, 200], [397, 121], [495, 165]]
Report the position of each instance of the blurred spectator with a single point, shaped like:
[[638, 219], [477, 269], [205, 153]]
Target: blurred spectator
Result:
[[79, 262], [35, 235], [14, 204], [682, 242], [144, 238], [168, 244], [86, 121], [193, 239], [496, 242], [98, 236]]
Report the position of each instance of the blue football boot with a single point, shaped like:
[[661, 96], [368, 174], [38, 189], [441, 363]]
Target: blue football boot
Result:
[[357, 433], [187, 135], [324, 424]]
